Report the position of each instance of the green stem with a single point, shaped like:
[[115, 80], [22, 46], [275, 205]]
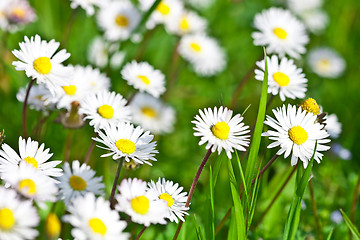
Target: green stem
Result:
[[24, 111], [116, 180]]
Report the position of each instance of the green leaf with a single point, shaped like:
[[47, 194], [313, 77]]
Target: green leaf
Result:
[[210, 226], [242, 175], [330, 234], [350, 225], [232, 233]]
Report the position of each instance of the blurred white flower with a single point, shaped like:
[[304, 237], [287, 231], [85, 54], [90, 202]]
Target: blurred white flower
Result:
[[88, 5], [37, 97], [336, 217], [333, 126], [15, 14], [342, 152], [325, 62], [187, 23]]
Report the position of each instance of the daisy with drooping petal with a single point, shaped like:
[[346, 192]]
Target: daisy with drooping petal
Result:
[[14, 14], [144, 207], [105, 108], [88, 5], [280, 32], [124, 140], [285, 78], [152, 114], [38, 61], [187, 23], [325, 62], [144, 77], [333, 126], [78, 181], [173, 195], [31, 153], [37, 97], [18, 219], [220, 130], [92, 218], [296, 132]]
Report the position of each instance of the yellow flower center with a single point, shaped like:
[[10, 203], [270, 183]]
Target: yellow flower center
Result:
[[163, 8], [122, 21], [281, 79], [196, 47], [42, 65], [69, 90], [31, 161], [148, 111], [280, 33], [184, 24], [52, 225], [106, 111], [125, 145], [97, 226], [323, 64], [311, 106], [28, 186], [221, 130], [7, 220], [18, 12], [140, 204], [144, 79], [77, 183], [168, 198], [298, 135]]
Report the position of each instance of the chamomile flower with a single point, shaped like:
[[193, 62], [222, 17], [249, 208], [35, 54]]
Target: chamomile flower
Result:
[[220, 130], [152, 114], [285, 78], [144, 207], [37, 97], [14, 14], [38, 61], [88, 5], [78, 181], [173, 195], [296, 132], [92, 218], [124, 140], [105, 108], [31, 153], [118, 19], [187, 23], [144, 77], [18, 219], [333, 126], [327, 63], [280, 32]]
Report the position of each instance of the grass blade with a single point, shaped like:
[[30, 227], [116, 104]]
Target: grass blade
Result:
[[210, 223], [350, 225], [198, 229], [330, 234]]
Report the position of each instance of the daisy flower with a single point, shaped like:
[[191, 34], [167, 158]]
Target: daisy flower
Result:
[[38, 61], [333, 126], [173, 195], [15, 14], [37, 98], [280, 32], [33, 154], [143, 206], [88, 5], [296, 132], [18, 219], [92, 218], [78, 181], [219, 130], [327, 63], [144, 77], [124, 140], [118, 19], [99, 50], [285, 78], [187, 23], [105, 108], [152, 114], [315, 20], [310, 105]]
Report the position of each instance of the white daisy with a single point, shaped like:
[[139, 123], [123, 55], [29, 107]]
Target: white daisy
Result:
[[14, 14], [299, 6], [219, 130], [144, 77], [333, 126], [315, 20], [280, 32], [38, 61], [31, 153], [105, 108], [98, 52], [187, 23], [18, 219], [78, 181], [124, 140], [93, 219], [118, 19], [174, 197], [327, 63], [285, 78], [152, 114], [296, 132], [37, 97], [144, 207], [88, 5]]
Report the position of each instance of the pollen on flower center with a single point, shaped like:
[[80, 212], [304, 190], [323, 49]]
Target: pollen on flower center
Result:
[[69, 90], [184, 24], [298, 135], [140, 204], [77, 183], [144, 79], [196, 47], [29, 185], [221, 130], [53, 225], [7, 220], [97, 226], [163, 8], [280, 33], [281, 79], [31, 161], [42, 65], [106, 111], [167, 197], [310, 105], [126, 146], [323, 64], [122, 21], [148, 111]]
